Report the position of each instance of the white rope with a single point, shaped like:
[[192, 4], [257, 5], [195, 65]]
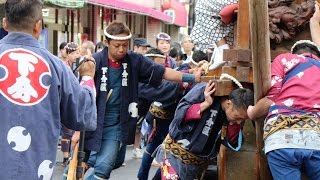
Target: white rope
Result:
[[227, 76], [120, 38]]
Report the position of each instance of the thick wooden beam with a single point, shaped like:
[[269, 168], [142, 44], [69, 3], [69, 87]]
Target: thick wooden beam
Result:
[[260, 48], [241, 73], [241, 55], [223, 87], [245, 55]]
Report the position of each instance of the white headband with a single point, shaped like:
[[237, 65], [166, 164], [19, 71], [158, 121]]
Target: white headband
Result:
[[155, 55], [224, 75], [304, 42], [120, 38]]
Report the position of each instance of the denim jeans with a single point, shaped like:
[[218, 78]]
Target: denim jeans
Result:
[[287, 164], [147, 158], [104, 161], [121, 157]]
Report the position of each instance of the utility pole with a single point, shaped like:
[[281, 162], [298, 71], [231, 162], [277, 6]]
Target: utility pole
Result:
[[191, 18]]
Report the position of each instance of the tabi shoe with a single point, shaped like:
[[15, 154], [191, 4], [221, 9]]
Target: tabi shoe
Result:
[[217, 57]]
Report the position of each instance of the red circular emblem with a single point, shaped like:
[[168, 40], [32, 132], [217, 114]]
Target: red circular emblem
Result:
[[25, 77]]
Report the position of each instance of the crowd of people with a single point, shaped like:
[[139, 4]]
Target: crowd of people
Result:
[[117, 96]]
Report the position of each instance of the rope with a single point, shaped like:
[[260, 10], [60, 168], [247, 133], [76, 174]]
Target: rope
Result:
[[227, 76]]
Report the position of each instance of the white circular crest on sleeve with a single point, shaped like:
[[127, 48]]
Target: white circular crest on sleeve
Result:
[[288, 102], [316, 106], [275, 111], [45, 170], [19, 138], [300, 74], [133, 109]]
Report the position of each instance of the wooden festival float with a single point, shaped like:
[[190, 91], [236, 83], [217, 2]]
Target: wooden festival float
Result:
[[286, 21]]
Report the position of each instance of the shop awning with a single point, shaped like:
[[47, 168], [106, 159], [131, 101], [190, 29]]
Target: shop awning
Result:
[[66, 3], [132, 7], [180, 12]]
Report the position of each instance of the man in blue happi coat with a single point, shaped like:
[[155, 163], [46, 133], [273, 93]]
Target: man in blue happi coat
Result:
[[118, 72], [160, 113], [37, 93], [196, 131]]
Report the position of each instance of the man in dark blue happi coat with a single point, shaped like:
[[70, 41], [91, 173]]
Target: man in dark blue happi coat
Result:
[[118, 72], [164, 100], [195, 132]]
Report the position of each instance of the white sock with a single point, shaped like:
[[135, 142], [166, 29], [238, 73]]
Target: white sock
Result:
[[217, 57]]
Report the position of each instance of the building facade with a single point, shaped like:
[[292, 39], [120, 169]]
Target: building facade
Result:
[[145, 18]]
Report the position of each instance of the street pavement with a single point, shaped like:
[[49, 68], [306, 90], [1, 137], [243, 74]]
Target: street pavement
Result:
[[127, 172]]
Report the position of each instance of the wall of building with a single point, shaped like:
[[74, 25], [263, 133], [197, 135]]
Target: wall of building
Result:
[[65, 25], [153, 28]]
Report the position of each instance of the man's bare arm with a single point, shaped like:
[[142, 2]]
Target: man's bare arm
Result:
[[314, 25], [260, 109]]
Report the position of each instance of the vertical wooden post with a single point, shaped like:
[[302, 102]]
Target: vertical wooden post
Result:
[[222, 166], [229, 162], [243, 33], [260, 48]]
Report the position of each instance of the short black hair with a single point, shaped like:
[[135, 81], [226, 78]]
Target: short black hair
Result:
[[306, 48], [99, 45], [175, 52], [199, 55], [62, 45], [176, 45], [242, 98], [154, 51], [23, 14]]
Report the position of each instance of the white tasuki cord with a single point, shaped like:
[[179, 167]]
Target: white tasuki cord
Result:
[[227, 76]]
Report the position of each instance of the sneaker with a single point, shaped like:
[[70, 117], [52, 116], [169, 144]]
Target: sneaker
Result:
[[137, 153]]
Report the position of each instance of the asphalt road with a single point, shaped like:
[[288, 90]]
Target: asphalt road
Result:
[[127, 172]]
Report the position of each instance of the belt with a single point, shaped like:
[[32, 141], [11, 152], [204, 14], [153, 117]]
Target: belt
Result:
[[305, 121], [185, 156], [159, 112]]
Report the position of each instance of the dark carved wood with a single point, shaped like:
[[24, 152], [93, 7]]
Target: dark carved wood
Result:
[[287, 18]]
